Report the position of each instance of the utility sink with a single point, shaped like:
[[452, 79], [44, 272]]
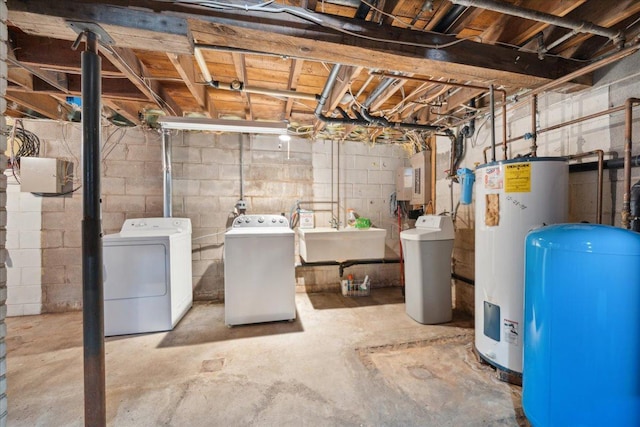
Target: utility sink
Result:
[[328, 244]]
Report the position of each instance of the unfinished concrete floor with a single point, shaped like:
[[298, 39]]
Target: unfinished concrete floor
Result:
[[344, 361]]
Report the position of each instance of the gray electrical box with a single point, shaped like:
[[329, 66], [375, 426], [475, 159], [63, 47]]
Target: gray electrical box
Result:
[[44, 175], [404, 183], [421, 191]]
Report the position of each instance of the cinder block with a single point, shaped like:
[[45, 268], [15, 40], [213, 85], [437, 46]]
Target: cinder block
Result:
[[31, 276], [367, 190], [221, 156], [186, 154], [202, 204], [154, 169], [61, 256], [201, 139], [143, 186], [299, 173], [14, 310], [124, 169], [68, 220], [112, 185], [266, 172], [298, 159], [125, 204], [14, 276], [62, 297], [72, 239], [24, 295], [186, 187], [112, 221], [30, 240], [199, 171], [356, 176], [154, 205], [31, 309], [53, 275], [367, 162], [219, 188], [267, 157], [53, 204], [25, 257], [13, 239], [145, 153]]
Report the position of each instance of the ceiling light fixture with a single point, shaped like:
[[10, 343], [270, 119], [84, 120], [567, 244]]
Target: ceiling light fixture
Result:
[[239, 126]]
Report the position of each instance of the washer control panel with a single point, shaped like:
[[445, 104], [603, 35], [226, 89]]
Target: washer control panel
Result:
[[260, 221]]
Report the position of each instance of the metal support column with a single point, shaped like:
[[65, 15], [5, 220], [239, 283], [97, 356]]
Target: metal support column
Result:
[[167, 185], [92, 291]]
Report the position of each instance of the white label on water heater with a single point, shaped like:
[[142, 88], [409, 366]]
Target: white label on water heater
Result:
[[493, 178], [511, 332]]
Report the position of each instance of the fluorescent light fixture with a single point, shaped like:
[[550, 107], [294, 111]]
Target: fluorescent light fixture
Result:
[[240, 126]]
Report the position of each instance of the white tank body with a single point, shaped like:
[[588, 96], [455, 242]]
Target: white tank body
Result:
[[512, 198]]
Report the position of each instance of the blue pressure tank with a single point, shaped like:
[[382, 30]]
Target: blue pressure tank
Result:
[[582, 326]]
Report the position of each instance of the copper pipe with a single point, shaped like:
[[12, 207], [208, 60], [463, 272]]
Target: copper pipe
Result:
[[561, 125], [628, 133], [504, 124], [492, 108], [600, 155]]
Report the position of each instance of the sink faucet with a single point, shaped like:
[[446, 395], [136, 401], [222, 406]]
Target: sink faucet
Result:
[[334, 223]]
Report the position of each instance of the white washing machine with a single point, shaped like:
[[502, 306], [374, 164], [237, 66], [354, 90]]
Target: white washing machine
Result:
[[147, 275], [259, 270]]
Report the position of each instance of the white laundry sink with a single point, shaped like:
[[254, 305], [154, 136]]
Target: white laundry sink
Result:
[[328, 244]]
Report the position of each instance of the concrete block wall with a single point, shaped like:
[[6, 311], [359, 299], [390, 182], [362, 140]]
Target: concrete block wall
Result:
[[24, 253], [3, 216], [613, 86], [206, 187]]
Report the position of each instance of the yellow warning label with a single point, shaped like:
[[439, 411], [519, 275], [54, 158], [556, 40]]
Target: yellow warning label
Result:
[[517, 178]]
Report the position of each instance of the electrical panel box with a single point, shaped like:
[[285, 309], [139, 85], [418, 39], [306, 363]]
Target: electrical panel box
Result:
[[404, 183], [44, 175], [421, 190]]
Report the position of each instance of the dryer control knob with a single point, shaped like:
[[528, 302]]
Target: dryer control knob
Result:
[[260, 220], [273, 220]]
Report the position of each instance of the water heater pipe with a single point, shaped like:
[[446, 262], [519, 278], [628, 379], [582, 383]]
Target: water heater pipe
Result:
[[561, 125], [167, 175], [492, 113], [534, 136], [628, 134]]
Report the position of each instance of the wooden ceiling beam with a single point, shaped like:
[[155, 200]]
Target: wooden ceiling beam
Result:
[[284, 34], [241, 74], [406, 103], [294, 75], [38, 102], [111, 88], [47, 53], [128, 63], [21, 77], [605, 14], [128, 110], [190, 75], [522, 30]]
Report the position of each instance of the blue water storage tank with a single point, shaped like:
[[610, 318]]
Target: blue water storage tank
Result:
[[582, 326]]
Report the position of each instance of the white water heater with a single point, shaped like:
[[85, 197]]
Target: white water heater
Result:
[[512, 197]]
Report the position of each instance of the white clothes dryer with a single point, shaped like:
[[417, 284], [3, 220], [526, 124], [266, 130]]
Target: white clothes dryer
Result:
[[147, 275]]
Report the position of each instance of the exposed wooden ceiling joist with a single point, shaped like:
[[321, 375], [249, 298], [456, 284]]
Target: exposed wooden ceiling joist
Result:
[[41, 103], [187, 70], [288, 35], [294, 75], [241, 74], [128, 63]]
